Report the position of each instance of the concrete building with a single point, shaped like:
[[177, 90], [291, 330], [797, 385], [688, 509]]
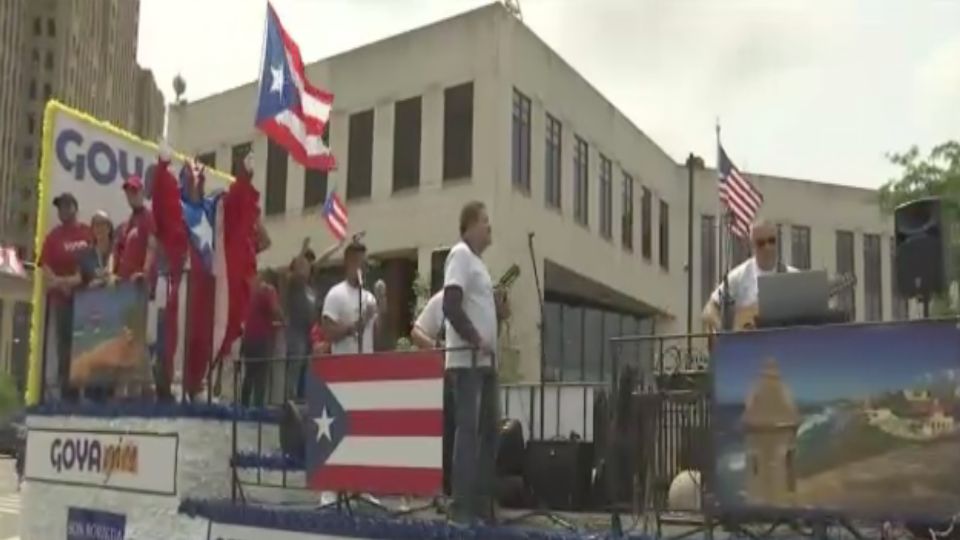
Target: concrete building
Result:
[[82, 53], [478, 107]]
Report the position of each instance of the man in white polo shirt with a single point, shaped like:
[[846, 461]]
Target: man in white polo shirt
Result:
[[471, 313]]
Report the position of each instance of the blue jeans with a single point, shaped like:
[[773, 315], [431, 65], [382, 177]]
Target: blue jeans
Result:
[[298, 352], [475, 443]]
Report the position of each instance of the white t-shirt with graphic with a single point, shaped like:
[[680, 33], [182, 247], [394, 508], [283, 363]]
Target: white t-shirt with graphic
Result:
[[342, 305]]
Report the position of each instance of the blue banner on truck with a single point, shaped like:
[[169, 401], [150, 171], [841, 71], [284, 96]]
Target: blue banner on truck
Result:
[[84, 524]]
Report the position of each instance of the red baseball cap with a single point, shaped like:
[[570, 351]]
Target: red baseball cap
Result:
[[133, 183]]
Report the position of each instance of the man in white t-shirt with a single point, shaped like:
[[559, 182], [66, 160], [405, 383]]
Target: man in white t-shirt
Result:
[[742, 280], [428, 329], [348, 309], [471, 312]]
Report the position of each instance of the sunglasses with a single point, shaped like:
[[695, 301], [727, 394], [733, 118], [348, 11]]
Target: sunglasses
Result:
[[761, 242]]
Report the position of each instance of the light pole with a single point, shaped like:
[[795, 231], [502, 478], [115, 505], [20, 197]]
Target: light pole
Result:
[[693, 164]]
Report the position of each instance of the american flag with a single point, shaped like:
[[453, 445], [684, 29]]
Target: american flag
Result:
[[376, 423], [335, 214], [738, 195], [10, 262]]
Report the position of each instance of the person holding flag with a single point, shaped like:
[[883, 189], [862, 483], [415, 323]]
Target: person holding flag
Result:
[[222, 234]]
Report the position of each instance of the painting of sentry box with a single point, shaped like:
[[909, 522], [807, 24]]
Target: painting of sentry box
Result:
[[854, 420]]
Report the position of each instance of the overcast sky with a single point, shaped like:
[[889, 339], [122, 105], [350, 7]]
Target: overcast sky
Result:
[[817, 89]]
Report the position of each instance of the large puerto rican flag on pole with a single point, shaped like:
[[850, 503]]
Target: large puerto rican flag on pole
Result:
[[290, 111], [376, 423]]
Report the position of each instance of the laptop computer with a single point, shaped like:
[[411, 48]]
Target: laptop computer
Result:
[[793, 298]]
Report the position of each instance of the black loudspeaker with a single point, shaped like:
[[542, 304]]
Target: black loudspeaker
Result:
[[292, 430], [510, 450], [559, 473], [922, 257]]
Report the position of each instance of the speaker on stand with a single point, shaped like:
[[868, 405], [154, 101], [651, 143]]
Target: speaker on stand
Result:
[[922, 257]]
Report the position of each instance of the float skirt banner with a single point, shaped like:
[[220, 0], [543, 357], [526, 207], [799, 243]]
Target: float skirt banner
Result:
[[376, 423], [84, 524], [858, 420], [141, 462], [109, 336], [221, 531]]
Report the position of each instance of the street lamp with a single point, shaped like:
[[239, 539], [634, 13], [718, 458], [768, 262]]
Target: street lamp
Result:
[[179, 87], [693, 164]]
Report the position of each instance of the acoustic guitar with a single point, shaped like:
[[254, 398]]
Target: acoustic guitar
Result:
[[745, 318]]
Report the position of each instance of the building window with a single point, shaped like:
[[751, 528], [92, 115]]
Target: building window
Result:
[[35, 57], [32, 91], [48, 60], [872, 278], [37, 26], [581, 186], [51, 27], [31, 123], [708, 257], [315, 181], [406, 143], [360, 155], [28, 152], [458, 131], [208, 159], [626, 221], [800, 247], [847, 299], [552, 162], [237, 154], [900, 307], [47, 92], [739, 249], [521, 141], [276, 197], [606, 197], [664, 236], [646, 223]]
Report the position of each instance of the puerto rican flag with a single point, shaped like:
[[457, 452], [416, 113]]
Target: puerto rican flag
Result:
[[290, 111], [335, 214], [376, 423]]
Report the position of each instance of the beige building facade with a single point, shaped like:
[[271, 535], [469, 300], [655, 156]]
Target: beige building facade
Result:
[[478, 107]]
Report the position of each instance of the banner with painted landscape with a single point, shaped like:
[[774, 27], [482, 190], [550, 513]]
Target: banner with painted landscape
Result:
[[854, 420], [109, 337]]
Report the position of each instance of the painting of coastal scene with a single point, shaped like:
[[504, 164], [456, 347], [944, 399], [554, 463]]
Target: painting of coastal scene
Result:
[[856, 420]]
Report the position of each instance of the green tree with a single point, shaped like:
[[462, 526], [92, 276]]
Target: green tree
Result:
[[936, 174]]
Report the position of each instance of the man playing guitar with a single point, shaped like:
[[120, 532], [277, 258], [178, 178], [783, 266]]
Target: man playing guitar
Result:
[[742, 280]]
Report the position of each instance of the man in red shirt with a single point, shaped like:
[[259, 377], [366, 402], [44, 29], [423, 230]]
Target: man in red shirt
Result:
[[259, 334], [135, 249], [59, 259]]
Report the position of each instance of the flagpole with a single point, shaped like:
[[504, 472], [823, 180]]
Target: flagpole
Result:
[[724, 253]]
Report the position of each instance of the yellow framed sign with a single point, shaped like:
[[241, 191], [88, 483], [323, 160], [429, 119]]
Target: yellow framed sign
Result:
[[90, 159]]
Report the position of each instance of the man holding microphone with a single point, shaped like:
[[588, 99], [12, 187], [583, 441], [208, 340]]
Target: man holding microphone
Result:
[[472, 310], [349, 310]]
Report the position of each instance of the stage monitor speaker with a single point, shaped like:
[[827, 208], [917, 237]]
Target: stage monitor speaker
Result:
[[922, 257], [510, 450], [292, 429], [559, 472]]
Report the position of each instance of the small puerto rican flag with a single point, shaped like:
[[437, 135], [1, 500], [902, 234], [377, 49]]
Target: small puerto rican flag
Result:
[[376, 423], [335, 214]]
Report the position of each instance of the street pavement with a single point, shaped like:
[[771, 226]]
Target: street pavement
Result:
[[9, 501]]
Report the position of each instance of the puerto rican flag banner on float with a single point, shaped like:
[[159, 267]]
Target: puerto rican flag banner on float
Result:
[[290, 111], [376, 423]]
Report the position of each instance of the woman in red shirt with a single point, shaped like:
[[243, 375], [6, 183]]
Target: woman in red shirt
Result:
[[259, 334]]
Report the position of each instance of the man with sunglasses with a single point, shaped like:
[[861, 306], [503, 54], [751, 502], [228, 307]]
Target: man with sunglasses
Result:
[[742, 280]]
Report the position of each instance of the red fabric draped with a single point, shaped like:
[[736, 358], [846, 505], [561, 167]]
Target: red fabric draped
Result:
[[199, 324], [173, 239], [241, 215]]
